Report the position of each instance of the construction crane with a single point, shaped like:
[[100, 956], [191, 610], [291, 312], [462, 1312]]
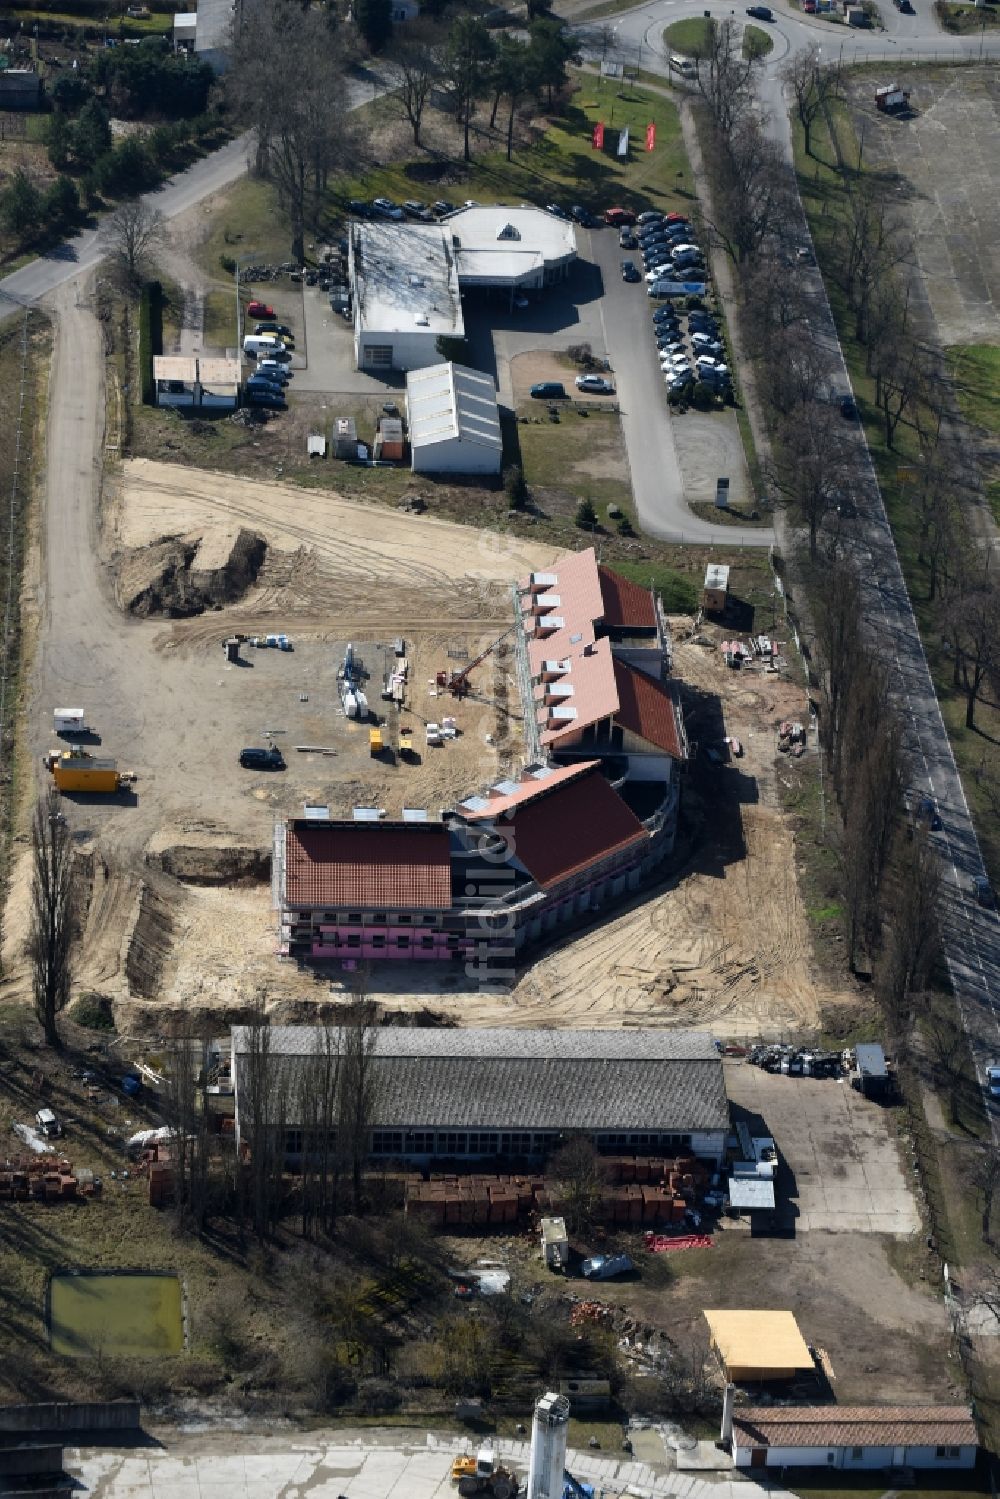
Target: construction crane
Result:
[[457, 682]]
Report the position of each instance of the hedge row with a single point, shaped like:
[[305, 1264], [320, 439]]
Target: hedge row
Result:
[[150, 336]]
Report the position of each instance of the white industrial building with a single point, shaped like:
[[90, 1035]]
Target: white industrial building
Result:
[[404, 279], [851, 1437], [520, 249], [453, 419]]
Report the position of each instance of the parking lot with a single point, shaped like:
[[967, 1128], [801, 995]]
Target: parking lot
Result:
[[841, 1164]]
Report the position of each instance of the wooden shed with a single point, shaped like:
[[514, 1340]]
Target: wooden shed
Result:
[[715, 592], [759, 1346]]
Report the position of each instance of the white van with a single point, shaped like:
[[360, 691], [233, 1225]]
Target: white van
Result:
[[682, 65], [262, 343]]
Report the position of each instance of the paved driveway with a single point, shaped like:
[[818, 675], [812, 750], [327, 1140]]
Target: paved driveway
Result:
[[841, 1167], [657, 482]]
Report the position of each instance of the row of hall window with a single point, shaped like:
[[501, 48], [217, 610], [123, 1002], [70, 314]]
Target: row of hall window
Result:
[[398, 1142], [378, 939]]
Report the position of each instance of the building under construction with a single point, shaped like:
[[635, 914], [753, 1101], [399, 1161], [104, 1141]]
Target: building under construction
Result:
[[591, 814]]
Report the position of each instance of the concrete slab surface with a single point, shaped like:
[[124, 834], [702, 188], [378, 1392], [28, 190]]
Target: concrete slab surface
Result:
[[840, 1164], [248, 1464]]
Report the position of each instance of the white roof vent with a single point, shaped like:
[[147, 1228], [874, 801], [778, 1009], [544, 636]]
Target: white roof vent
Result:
[[422, 320], [508, 231]]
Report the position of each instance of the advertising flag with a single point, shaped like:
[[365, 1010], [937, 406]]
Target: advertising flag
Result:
[[599, 136], [650, 135], [623, 142]]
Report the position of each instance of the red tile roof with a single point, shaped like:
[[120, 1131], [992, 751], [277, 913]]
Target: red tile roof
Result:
[[855, 1426], [367, 865], [647, 708], [528, 789], [582, 820], [627, 605]]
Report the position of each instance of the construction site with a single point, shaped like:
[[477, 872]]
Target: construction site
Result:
[[179, 909]]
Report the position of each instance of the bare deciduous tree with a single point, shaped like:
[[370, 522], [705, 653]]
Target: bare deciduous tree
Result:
[[416, 68], [131, 236], [358, 1092], [53, 918], [973, 629], [726, 78], [813, 85], [813, 467], [582, 1176], [303, 129]]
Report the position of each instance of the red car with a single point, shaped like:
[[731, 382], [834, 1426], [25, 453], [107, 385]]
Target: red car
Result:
[[259, 309], [678, 218], [619, 216]]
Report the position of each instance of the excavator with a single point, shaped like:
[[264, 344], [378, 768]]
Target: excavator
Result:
[[457, 682]]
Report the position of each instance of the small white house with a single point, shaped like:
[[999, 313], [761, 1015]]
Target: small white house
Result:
[[454, 421], [851, 1437]]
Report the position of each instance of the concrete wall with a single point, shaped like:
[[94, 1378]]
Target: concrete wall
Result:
[[410, 351], [869, 1458], [104, 1415], [20, 1461], [456, 457]]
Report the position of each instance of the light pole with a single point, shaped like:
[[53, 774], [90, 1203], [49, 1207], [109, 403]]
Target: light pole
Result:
[[247, 255]]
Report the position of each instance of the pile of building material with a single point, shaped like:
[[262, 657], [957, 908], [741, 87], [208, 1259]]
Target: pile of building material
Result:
[[640, 1190], [43, 1178], [156, 1164], [791, 738]]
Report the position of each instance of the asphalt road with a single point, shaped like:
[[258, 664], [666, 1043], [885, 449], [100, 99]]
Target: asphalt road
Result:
[[971, 935], [646, 422]]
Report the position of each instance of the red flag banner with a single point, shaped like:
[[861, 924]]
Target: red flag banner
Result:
[[650, 135], [599, 136]]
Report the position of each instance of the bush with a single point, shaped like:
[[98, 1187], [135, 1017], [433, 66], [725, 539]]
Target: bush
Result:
[[615, 512], [378, 1397], [515, 487], [586, 515], [150, 336], [581, 354], [94, 1012], [625, 527], [702, 396], [228, 264]]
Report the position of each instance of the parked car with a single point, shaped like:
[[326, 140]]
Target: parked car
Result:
[[667, 351], [906, 8], [702, 340], [262, 759], [993, 1080], [706, 363], [416, 210], [626, 239], [618, 216], [679, 382], [548, 390], [556, 212], [271, 398], [983, 891], [677, 358], [663, 315], [278, 353], [678, 218], [760, 12], [358, 208], [385, 208], [594, 385], [661, 288], [584, 217], [264, 382], [442, 206], [630, 271], [280, 328], [47, 1124], [274, 369], [259, 309]]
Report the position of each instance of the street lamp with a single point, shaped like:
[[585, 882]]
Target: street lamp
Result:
[[247, 255]]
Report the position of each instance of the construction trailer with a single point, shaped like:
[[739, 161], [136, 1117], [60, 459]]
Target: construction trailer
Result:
[[555, 1243], [873, 1077], [715, 590], [69, 721], [75, 770]]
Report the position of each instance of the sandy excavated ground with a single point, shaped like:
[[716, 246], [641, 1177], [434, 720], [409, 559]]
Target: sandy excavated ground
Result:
[[179, 909]]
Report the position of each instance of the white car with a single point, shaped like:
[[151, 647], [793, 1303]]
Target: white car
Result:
[[714, 366], [703, 340], [685, 249], [677, 358]]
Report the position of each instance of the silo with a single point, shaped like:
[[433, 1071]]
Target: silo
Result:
[[547, 1463]]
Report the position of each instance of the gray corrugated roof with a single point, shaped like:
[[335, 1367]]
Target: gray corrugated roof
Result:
[[529, 1079]]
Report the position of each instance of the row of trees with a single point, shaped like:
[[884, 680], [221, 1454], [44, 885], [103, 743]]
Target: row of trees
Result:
[[306, 134], [888, 874]]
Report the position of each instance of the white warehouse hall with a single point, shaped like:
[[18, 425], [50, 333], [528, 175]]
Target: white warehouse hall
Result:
[[453, 420]]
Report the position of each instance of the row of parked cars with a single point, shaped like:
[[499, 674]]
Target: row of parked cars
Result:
[[697, 354], [271, 344], [668, 248]]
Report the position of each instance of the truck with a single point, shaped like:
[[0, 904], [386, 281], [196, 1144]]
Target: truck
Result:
[[47, 1124], [76, 770], [69, 721], [555, 1243], [890, 98]]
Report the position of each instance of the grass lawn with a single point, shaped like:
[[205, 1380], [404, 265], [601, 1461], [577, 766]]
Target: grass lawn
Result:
[[977, 751], [220, 319], [756, 41], [250, 225], [151, 26], [976, 370], [692, 35], [562, 164], [963, 19]]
